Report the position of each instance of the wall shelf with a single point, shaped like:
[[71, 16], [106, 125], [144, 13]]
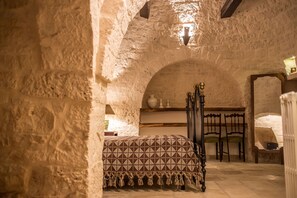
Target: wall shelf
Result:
[[183, 109], [141, 125], [175, 117]]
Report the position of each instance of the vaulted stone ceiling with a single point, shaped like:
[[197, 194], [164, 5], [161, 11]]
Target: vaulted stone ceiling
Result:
[[256, 39], [255, 28]]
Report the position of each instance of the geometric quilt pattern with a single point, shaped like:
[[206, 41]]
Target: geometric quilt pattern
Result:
[[170, 158]]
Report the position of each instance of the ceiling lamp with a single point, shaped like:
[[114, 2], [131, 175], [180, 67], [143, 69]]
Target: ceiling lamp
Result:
[[186, 37], [186, 33]]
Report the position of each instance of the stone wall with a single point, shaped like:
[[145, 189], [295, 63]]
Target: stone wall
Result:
[[48, 136]]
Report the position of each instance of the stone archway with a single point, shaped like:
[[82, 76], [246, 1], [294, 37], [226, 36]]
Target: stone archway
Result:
[[114, 21]]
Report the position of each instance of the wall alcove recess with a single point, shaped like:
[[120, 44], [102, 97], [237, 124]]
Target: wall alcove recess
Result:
[[256, 150]]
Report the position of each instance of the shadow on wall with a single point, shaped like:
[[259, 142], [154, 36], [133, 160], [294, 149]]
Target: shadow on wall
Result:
[[174, 81]]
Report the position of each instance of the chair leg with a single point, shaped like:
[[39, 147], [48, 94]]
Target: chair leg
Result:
[[228, 150], [239, 150], [217, 157], [281, 150], [256, 155], [221, 150], [243, 150]]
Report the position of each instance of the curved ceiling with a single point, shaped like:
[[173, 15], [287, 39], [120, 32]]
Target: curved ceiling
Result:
[[248, 37]]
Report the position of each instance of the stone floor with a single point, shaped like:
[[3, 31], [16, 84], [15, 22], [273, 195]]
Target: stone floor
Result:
[[224, 180]]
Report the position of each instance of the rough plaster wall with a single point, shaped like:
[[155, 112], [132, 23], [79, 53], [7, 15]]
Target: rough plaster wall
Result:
[[46, 100], [254, 40], [174, 81]]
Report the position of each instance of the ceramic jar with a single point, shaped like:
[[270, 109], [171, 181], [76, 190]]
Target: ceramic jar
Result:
[[152, 101]]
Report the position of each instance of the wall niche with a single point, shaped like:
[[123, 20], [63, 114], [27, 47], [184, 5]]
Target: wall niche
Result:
[[174, 81]]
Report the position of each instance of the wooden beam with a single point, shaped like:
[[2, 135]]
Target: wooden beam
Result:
[[145, 11], [229, 8]]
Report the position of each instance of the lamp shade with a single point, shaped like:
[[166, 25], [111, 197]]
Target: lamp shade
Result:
[[108, 110], [186, 36]]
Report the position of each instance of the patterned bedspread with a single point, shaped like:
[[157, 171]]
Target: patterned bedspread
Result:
[[168, 158]]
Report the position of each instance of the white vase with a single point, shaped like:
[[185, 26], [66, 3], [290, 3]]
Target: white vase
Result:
[[167, 104], [152, 101], [161, 103]]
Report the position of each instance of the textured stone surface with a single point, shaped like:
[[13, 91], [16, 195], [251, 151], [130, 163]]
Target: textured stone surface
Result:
[[65, 35], [46, 54], [13, 178], [114, 21], [95, 139], [57, 85], [63, 148], [32, 118], [7, 80], [57, 181]]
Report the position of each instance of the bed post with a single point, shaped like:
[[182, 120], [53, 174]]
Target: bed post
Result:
[[195, 126], [200, 97]]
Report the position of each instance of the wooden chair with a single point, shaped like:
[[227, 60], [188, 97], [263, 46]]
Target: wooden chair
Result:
[[235, 133], [212, 131]]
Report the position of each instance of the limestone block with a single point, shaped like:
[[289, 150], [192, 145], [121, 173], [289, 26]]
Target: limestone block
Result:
[[19, 62], [24, 131], [7, 80], [95, 173], [78, 117], [14, 4], [61, 181], [6, 127], [32, 118], [12, 178], [8, 63], [6, 118], [59, 106], [57, 85], [36, 148], [65, 35], [68, 148]]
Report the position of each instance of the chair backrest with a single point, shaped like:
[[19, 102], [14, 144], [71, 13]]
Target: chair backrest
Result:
[[212, 124], [235, 124]]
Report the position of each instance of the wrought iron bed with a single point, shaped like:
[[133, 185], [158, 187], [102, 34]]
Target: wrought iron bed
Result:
[[169, 159]]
